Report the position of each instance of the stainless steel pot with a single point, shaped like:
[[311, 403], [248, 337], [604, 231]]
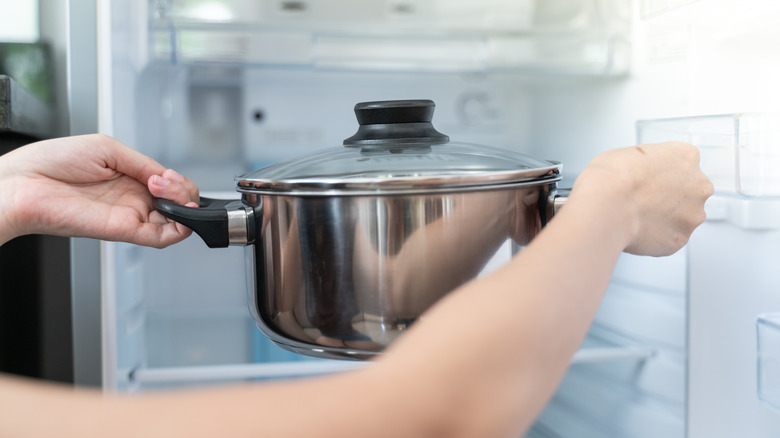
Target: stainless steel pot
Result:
[[348, 247]]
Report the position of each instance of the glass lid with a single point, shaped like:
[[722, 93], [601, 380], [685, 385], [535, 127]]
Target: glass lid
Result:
[[396, 149]]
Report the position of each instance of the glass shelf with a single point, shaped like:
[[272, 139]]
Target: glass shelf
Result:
[[554, 36]]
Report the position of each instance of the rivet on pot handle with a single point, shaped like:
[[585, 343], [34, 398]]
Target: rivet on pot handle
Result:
[[219, 222]]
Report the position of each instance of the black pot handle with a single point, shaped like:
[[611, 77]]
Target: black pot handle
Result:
[[560, 199], [219, 222]]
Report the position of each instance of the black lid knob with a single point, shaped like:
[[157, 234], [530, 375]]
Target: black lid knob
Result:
[[395, 122]]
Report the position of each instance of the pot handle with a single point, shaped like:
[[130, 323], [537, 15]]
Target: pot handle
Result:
[[559, 199], [219, 222]]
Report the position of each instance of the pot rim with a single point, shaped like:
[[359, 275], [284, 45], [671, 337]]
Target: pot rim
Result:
[[401, 185]]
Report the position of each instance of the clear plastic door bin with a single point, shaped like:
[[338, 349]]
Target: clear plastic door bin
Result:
[[768, 332]]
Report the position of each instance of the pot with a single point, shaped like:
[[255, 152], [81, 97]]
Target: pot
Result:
[[348, 247]]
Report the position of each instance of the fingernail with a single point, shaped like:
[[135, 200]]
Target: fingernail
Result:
[[160, 181]]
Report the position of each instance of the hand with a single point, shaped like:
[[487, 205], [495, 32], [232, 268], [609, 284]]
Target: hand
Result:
[[90, 186], [661, 187]]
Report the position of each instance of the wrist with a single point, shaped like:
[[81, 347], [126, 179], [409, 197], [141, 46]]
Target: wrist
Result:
[[609, 199], [8, 226]]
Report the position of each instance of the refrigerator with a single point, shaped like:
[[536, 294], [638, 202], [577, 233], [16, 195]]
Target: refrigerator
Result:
[[682, 346]]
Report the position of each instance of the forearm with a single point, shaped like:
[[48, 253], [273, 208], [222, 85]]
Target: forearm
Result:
[[339, 406], [31, 409], [483, 362], [458, 372], [496, 349]]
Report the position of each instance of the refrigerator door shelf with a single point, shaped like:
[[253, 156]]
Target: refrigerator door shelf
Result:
[[745, 213], [739, 151], [768, 332]]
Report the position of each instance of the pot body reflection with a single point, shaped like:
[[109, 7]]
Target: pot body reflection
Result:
[[343, 276]]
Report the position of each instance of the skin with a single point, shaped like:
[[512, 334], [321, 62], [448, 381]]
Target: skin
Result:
[[489, 377], [89, 186]]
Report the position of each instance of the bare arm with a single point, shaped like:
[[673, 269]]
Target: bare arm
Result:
[[483, 362]]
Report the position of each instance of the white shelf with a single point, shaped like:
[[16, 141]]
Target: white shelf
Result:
[[602, 355], [253, 371], [238, 372], [554, 36]]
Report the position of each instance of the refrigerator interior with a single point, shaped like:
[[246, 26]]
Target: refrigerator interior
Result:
[[218, 88]]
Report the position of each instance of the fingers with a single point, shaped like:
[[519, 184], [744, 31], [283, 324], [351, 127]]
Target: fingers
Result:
[[658, 189], [173, 187], [674, 192], [188, 185], [126, 160], [161, 235], [134, 164]]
